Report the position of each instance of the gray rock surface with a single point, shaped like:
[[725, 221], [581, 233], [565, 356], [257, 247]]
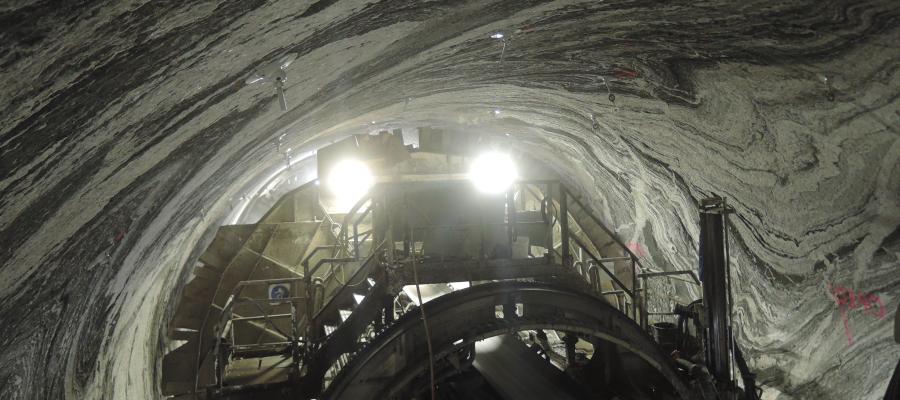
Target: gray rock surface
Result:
[[127, 134]]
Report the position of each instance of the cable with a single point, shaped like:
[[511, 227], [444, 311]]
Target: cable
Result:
[[376, 248], [422, 311]]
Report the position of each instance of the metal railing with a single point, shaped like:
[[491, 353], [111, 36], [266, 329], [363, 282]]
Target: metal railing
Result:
[[224, 330], [637, 293], [353, 219], [564, 202], [556, 201], [662, 274], [345, 251]]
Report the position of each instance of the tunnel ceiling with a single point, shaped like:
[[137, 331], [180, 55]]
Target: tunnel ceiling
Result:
[[127, 133]]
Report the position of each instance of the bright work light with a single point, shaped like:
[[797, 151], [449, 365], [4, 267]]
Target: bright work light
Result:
[[349, 180], [493, 172]]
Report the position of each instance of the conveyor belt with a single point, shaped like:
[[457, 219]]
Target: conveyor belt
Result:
[[517, 372]]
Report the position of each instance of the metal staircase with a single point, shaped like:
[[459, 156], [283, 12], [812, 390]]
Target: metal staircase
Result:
[[230, 330], [341, 272]]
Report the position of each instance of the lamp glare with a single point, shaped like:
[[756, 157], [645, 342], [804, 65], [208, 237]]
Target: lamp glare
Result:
[[493, 172], [349, 180]]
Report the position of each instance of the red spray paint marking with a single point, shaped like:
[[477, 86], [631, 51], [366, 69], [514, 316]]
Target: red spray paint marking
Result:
[[526, 29], [847, 301], [621, 73], [637, 249], [120, 236]]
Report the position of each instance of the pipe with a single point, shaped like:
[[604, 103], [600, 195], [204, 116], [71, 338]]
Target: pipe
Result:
[[715, 286]]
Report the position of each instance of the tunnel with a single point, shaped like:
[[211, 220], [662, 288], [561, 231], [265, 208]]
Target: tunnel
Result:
[[133, 132]]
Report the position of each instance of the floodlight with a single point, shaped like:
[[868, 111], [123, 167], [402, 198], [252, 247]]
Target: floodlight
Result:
[[349, 180], [493, 172]]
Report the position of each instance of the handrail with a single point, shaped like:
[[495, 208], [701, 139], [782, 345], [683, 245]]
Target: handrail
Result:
[[326, 215], [307, 276], [234, 299], [241, 284], [332, 223], [306, 259], [602, 226], [329, 261], [670, 274], [350, 239], [540, 197], [636, 265], [359, 271], [600, 264], [201, 356], [314, 321], [343, 243], [273, 302], [620, 305], [342, 246], [565, 195], [227, 319], [638, 293], [666, 274], [225, 323], [356, 233], [342, 235]]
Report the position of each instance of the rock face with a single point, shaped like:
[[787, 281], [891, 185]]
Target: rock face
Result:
[[127, 134]]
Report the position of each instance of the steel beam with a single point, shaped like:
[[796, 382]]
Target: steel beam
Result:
[[473, 270]]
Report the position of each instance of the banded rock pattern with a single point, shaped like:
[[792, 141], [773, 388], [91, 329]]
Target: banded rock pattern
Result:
[[127, 133]]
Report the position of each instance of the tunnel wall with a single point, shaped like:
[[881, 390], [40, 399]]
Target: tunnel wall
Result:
[[127, 133]]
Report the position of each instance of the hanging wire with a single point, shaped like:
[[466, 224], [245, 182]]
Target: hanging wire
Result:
[[422, 312], [363, 279]]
